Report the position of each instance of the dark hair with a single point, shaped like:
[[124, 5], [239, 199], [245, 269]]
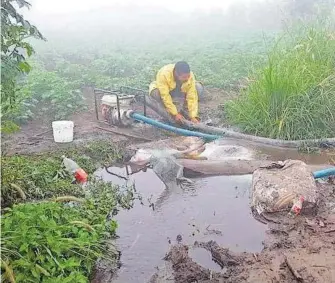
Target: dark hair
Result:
[[182, 67]]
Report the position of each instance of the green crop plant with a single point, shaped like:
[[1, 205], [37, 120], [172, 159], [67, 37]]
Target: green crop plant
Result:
[[219, 59], [292, 97], [61, 68], [15, 50], [54, 94]]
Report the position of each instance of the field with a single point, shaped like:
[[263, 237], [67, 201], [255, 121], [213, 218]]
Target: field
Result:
[[282, 77], [61, 68]]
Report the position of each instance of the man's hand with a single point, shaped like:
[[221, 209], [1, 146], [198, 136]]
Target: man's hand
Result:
[[195, 120], [179, 118]]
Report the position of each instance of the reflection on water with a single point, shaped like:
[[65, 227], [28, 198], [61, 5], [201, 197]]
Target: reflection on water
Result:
[[217, 208]]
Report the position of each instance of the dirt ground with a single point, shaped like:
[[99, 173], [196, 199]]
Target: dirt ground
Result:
[[36, 135], [300, 249]]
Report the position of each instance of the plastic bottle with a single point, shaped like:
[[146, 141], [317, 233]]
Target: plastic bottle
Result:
[[73, 168], [296, 208]]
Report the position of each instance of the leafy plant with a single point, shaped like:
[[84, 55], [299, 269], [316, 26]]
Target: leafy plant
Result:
[[27, 178], [59, 241], [51, 242], [15, 30], [57, 96]]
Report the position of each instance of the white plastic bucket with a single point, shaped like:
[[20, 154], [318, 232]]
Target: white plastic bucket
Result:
[[63, 131]]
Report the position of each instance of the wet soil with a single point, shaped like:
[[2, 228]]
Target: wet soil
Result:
[[210, 235], [36, 135], [296, 250]]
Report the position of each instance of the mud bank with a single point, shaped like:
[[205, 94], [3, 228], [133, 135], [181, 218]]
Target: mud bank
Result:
[[300, 249]]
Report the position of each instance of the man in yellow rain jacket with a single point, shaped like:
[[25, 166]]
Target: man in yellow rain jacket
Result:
[[175, 81]]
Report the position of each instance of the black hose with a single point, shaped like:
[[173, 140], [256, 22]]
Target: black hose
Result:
[[326, 142]]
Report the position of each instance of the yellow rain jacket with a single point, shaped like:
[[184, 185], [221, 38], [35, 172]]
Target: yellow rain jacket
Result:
[[165, 82]]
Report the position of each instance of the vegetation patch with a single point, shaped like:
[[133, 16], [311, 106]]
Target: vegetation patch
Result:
[[53, 230], [54, 84], [292, 97], [60, 240], [34, 177]]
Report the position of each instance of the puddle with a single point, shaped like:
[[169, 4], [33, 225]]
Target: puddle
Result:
[[277, 153], [216, 209], [204, 258]]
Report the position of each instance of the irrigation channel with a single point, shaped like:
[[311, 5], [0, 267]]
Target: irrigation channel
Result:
[[216, 208]]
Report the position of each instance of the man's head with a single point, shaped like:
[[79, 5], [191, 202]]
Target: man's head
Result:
[[182, 71]]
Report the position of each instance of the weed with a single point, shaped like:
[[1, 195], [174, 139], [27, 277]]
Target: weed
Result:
[[47, 245], [292, 96], [37, 177]]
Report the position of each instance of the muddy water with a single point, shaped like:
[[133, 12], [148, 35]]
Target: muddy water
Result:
[[215, 209], [280, 154]]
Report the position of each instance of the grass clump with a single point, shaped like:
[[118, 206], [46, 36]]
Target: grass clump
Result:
[[292, 97]]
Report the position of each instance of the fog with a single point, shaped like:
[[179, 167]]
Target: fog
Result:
[[111, 16]]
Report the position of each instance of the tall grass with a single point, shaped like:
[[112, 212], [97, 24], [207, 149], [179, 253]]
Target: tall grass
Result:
[[293, 96]]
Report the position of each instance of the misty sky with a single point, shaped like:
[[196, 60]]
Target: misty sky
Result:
[[47, 7], [58, 14]]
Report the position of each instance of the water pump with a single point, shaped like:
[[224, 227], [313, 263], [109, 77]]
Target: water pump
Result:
[[115, 106]]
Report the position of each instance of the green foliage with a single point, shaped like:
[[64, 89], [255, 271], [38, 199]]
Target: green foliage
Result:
[[15, 30], [44, 246], [53, 242], [292, 97], [58, 96], [39, 177], [9, 127], [219, 58], [104, 199]]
